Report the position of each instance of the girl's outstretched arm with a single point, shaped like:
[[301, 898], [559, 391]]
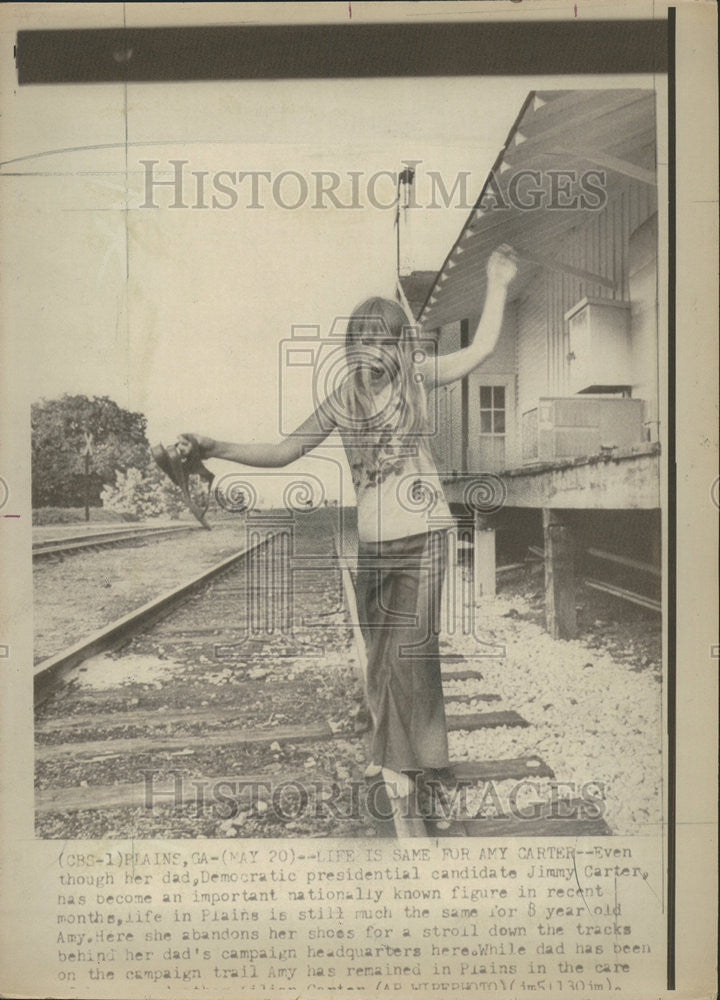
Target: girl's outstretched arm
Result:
[[304, 438], [501, 270]]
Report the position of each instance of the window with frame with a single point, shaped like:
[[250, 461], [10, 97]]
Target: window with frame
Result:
[[492, 409]]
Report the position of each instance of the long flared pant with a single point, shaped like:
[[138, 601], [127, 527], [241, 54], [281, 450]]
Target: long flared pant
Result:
[[399, 589]]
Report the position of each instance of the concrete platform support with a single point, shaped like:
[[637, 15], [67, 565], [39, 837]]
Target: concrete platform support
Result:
[[483, 559], [560, 614]]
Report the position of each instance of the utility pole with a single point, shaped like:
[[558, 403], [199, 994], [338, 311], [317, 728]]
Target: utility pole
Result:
[[406, 180], [87, 453]]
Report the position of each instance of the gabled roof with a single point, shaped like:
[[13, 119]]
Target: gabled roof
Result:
[[416, 286], [612, 131]]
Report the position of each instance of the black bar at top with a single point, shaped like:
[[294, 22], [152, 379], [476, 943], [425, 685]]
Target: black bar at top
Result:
[[270, 52]]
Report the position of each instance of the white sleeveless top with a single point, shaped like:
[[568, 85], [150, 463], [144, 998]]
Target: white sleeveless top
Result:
[[399, 494]]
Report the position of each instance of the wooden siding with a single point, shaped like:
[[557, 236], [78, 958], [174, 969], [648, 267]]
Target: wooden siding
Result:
[[532, 344], [619, 244], [601, 246], [445, 411], [610, 130], [642, 279], [565, 256], [499, 369]]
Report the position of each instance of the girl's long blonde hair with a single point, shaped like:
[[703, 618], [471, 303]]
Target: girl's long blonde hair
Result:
[[379, 320]]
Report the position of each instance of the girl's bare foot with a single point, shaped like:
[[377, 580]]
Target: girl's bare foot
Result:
[[398, 785]]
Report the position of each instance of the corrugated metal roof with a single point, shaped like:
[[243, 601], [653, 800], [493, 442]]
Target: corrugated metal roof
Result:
[[556, 131]]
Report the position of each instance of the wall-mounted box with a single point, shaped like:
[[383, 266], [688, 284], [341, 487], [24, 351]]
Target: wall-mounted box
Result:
[[575, 426], [598, 346]]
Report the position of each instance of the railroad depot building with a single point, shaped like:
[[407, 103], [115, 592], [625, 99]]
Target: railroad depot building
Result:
[[566, 411]]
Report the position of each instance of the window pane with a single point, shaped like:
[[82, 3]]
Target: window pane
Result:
[[499, 397], [499, 421], [486, 396], [485, 421]]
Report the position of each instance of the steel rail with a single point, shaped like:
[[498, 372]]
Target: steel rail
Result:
[[49, 674], [606, 587], [57, 546], [626, 595], [394, 817]]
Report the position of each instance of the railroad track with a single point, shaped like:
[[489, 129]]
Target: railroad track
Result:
[[225, 708], [101, 539], [646, 576]]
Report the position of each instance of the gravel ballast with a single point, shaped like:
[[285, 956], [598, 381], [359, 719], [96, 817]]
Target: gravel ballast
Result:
[[110, 582], [593, 704]]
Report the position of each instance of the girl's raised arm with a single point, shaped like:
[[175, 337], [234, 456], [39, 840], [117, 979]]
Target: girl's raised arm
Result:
[[501, 270], [311, 433]]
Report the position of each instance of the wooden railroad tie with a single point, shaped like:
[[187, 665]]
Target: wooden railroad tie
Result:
[[242, 788], [282, 734], [462, 675], [566, 819]]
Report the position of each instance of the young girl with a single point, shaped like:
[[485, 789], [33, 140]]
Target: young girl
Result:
[[380, 411]]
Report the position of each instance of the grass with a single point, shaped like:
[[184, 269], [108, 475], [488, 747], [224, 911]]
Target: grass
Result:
[[75, 515]]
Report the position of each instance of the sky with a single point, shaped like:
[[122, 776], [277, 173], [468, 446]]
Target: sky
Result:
[[179, 307], [215, 287], [179, 312]]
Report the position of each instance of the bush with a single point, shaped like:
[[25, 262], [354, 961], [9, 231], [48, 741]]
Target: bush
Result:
[[143, 493]]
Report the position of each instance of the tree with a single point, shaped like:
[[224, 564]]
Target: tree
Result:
[[59, 428]]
